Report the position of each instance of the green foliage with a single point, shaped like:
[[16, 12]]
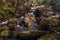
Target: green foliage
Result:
[[47, 2], [58, 2], [40, 1], [3, 9], [32, 2]]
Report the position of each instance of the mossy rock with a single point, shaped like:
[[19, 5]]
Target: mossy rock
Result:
[[25, 34], [7, 16], [0, 28], [51, 36], [13, 19], [12, 25], [5, 33], [4, 27], [30, 34], [1, 17]]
